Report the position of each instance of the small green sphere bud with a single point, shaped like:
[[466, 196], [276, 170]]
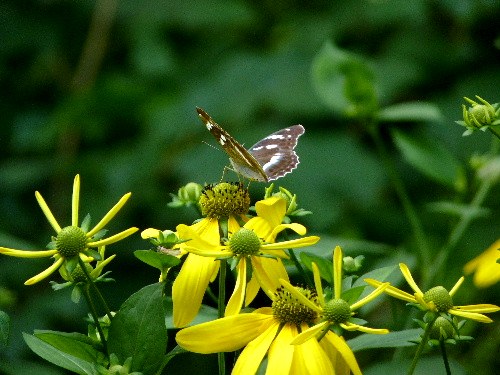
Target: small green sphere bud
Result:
[[78, 275], [190, 192], [481, 113], [441, 298], [70, 241], [244, 242], [337, 311], [442, 329]]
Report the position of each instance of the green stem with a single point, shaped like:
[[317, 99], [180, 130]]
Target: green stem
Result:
[[299, 267], [221, 307], [494, 132], [445, 357], [96, 290], [403, 196], [422, 345], [95, 316]]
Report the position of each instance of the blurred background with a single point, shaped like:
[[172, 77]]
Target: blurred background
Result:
[[107, 89]]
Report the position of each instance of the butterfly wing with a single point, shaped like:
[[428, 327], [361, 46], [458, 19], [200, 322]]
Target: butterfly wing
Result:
[[242, 160], [276, 153]]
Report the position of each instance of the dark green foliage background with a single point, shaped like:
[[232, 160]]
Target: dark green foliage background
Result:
[[127, 122]]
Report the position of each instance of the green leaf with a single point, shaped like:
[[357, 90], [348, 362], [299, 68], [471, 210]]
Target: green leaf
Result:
[[410, 111], [391, 340], [138, 330], [325, 266], [4, 328], [157, 260], [458, 210], [431, 158], [380, 274], [59, 356], [344, 82]]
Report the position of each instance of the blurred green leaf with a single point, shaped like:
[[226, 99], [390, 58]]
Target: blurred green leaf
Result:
[[4, 328], [344, 82], [391, 340], [84, 362], [325, 266], [431, 158], [157, 260], [411, 111], [138, 330], [456, 209]]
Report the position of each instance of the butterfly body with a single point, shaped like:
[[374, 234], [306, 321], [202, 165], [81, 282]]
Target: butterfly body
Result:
[[267, 160]]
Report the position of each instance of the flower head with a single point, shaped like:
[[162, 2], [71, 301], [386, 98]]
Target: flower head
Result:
[[485, 267], [252, 246], [268, 330], [73, 241], [336, 313], [480, 115], [437, 299]]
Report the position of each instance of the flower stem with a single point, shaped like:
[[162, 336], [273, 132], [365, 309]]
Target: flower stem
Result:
[[299, 267], [221, 307], [402, 194], [96, 290], [421, 346], [445, 357], [93, 312]]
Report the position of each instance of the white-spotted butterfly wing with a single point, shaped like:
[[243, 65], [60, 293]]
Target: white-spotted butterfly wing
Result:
[[267, 160]]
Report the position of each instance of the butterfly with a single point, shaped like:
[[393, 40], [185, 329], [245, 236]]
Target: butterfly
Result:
[[267, 160]]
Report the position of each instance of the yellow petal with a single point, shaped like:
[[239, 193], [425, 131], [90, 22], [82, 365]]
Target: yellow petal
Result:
[[292, 244], [250, 358], [281, 352], [115, 238], [392, 291], [268, 271], [456, 286], [111, 213], [232, 224], [487, 270], [260, 226], [237, 298], [297, 228], [471, 315], [310, 358], [409, 278], [337, 272], [189, 287], [317, 284], [345, 351], [300, 297], [356, 327], [480, 308], [150, 233], [272, 209], [75, 201], [226, 334], [46, 210], [27, 253], [309, 333], [374, 294], [253, 288], [42, 275]]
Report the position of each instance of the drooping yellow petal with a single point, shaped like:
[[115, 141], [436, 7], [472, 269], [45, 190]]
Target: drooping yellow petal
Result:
[[260, 226], [409, 278], [392, 291], [337, 272], [232, 225], [374, 294], [111, 213], [268, 271], [250, 358], [189, 287], [281, 352], [487, 270], [272, 209], [310, 358], [309, 333], [471, 315], [27, 253], [235, 303], [75, 201], [253, 288], [42, 275], [150, 233], [226, 334], [345, 351], [480, 308], [115, 238], [46, 211]]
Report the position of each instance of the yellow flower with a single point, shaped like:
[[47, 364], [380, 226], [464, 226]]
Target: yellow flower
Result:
[[252, 245], [485, 267], [437, 299], [71, 241], [335, 312], [264, 331]]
